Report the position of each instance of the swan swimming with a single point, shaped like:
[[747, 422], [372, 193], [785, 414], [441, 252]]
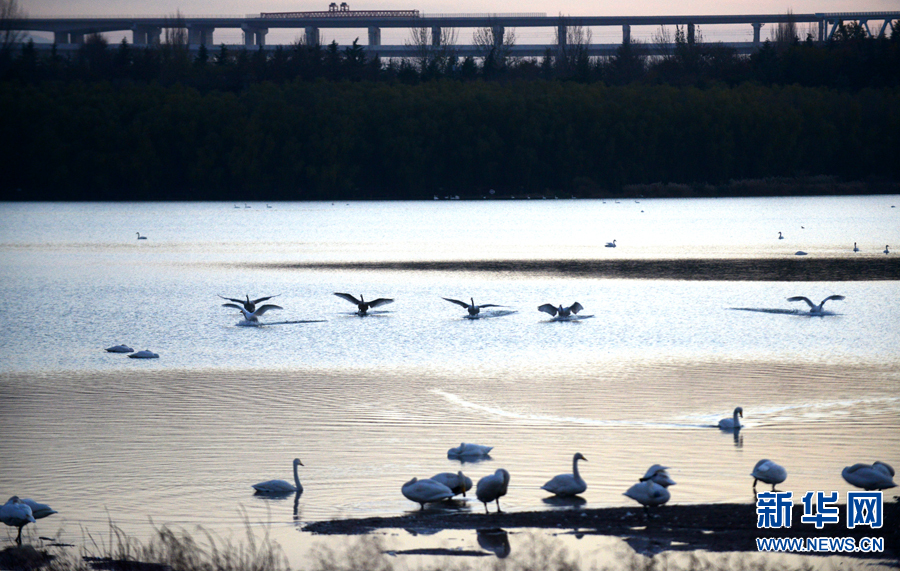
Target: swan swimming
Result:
[[16, 513], [657, 473], [145, 354], [561, 311], [568, 484], [886, 251], [469, 450], [611, 244], [813, 308], [768, 472], [491, 488], [363, 306], [119, 349], [732, 423], [139, 237], [780, 237], [855, 249], [875, 476], [281, 486], [425, 491], [648, 493], [458, 483], [471, 307]]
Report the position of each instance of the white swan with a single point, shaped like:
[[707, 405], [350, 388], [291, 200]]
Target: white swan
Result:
[[876, 476], [458, 483], [424, 491], [886, 251], [657, 473], [568, 484], [732, 423], [145, 354], [611, 244], [561, 311], [16, 513], [648, 493], [855, 249], [469, 450], [471, 307], [768, 472], [139, 237], [363, 306], [813, 308], [38, 510], [493, 487], [119, 349], [248, 304], [280, 486]]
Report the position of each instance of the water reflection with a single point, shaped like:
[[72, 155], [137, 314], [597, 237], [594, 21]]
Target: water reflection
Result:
[[564, 501], [494, 540]]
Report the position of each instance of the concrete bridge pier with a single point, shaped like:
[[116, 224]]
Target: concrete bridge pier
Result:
[[435, 36], [626, 34], [254, 36], [690, 34], [60, 37], [561, 31], [498, 35], [311, 35], [757, 26], [374, 36], [200, 35], [146, 35]]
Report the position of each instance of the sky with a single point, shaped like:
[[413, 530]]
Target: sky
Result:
[[37, 8]]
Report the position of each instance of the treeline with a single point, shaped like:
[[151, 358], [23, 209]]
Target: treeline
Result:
[[849, 60], [104, 140]]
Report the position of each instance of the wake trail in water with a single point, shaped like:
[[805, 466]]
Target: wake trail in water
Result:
[[251, 324]]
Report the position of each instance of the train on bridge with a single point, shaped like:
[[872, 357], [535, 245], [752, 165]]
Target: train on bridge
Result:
[[344, 11]]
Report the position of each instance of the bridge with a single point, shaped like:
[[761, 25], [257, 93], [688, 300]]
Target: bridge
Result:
[[70, 32]]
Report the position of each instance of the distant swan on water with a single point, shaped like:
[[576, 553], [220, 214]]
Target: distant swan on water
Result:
[[732, 423], [611, 244], [119, 349], [568, 484], [780, 237], [469, 450], [813, 308], [145, 354], [886, 251], [362, 305], [471, 307], [855, 249], [561, 311], [280, 486], [248, 308], [139, 237]]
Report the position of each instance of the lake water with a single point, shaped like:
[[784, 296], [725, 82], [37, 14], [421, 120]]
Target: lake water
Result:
[[367, 403]]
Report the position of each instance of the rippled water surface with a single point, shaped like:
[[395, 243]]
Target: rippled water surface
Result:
[[369, 402]]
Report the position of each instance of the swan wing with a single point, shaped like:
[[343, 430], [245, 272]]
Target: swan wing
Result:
[[265, 308], [801, 298], [241, 301], [832, 297], [483, 305], [654, 470], [234, 305], [348, 297], [38, 510], [255, 301], [565, 485], [274, 486], [380, 301], [548, 308], [456, 301], [576, 307]]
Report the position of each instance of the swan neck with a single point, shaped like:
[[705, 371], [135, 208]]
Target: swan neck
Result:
[[297, 478], [736, 421], [575, 468]]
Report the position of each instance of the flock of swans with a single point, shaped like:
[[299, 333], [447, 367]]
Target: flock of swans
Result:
[[651, 490]]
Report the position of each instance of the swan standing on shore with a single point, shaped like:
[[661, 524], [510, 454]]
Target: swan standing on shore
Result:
[[768, 472], [491, 488], [648, 493], [875, 476], [363, 306], [458, 483], [561, 311], [469, 450], [425, 491], [568, 484], [813, 308], [16, 513], [471, 307], [657, 473], [281, 486], [732, 423]]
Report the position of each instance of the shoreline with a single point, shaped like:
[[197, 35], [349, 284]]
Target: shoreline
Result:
[[707, 527]]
